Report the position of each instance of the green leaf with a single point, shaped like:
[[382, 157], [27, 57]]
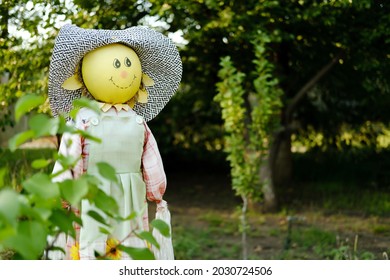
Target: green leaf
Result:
[[148, 236], [83, 103], [74, 190], [162, 227], [104, 231], [40, 163], [6, 233], [75, 218], [96, 216], [67, 162], [132, 216], [9, 206], [43, 125], [19, 139], [30, 240], [107, 171], [41, 210], [87, 103], [41, 185], [61, 219], [137, 253], [3, 172], [93, 182], [105, 202], [26, 104], [64, 127], [88, 136], [97, 255]]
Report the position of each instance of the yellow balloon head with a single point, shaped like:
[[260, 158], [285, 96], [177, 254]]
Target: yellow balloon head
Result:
[[112, 73]]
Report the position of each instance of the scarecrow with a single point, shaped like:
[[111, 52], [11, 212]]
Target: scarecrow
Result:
[[131, 74]]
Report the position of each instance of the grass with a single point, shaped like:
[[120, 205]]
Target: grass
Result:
[[315, 243], [192, 243], [336, 197], [381, 229], [220, 224], [356, 181], [211, 241]]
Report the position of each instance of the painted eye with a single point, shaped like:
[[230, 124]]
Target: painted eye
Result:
[[127, 62], [117, 63]]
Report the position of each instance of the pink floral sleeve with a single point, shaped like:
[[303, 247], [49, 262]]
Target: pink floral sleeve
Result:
[[152, 168]]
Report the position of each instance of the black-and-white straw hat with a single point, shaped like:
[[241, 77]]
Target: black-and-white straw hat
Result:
[[159, 58]]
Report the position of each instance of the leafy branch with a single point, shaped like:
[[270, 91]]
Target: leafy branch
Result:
[[37, 213]]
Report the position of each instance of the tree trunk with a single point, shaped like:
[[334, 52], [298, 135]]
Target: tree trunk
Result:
[[270, 200], [282, 165], [244, 226], [276, 172], [4, 13]]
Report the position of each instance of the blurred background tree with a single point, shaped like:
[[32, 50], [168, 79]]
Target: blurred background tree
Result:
[[330, 58]]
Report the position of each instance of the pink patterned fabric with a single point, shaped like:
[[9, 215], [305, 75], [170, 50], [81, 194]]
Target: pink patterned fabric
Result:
[[152, 168]]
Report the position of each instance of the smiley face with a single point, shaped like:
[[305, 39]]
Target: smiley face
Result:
[[112, 73]]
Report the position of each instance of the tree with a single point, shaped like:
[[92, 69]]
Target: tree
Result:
[[22, 74], [28, 29], [330, 58]]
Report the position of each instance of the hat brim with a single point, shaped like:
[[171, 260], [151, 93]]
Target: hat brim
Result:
[[159, 58]]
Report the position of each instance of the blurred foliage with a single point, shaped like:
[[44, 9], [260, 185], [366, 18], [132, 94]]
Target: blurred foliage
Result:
[[34, 209], [374, 136], [304, 36], [18, 164], [344, 42]]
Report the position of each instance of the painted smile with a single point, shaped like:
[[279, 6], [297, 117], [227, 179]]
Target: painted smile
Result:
[[118, 86]]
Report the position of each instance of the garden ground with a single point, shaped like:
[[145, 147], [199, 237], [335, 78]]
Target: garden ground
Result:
[[205, 217]]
